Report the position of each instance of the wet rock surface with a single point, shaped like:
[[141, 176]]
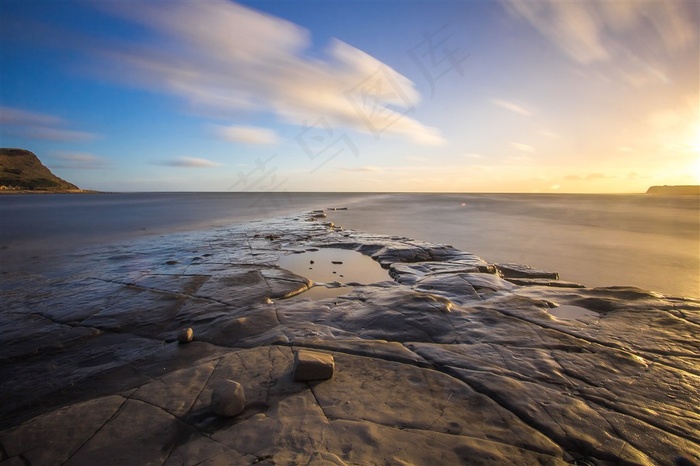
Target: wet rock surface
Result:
[[454, 361]]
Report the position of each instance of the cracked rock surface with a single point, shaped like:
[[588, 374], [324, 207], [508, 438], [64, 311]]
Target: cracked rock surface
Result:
[[451, 360]]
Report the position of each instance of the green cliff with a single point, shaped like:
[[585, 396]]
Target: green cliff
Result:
[[21, 170]]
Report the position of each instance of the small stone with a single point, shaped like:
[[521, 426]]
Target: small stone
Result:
[[269, 301], [490, 268], [310, 365], [185, 335], [228, 399]]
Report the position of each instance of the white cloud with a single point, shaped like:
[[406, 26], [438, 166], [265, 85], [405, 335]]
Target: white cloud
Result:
[[76, 160], [189, 162], [549, 134], [512, 106], [522, 147], [590, 177], [246, 134], [33, 125], [225, 56], [636, 37], [365, 169], [58, 135], [17, 116]]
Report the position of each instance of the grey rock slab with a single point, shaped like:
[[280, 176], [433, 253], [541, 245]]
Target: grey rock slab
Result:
[[223, 324], [52, 438], [375, 444], [394, 315], [207, 452], [289, 431], [252, 285], [524, 271], [450, 286], [70, 368], [176, 391], [172, 283], [321, 458], [139, 433], [449, 363], [138, 311], [70, 300], [26, 335], [544, 282], [384, 392]]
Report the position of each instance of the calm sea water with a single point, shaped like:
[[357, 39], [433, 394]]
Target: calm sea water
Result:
[[599, 240]]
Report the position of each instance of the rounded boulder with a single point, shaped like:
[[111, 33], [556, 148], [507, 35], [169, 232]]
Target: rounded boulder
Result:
[[228, 399]]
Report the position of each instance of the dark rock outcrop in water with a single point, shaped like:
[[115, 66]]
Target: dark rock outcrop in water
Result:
[[682, 190], [21, 170], [450, 362]]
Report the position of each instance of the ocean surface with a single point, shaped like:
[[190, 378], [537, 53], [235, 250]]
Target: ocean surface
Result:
[[652, 242]]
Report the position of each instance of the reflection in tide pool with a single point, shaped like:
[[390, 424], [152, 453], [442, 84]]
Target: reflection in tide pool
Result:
[[333, 270], [568, 312]]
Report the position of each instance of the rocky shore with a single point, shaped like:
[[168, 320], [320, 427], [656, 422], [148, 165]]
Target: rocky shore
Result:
[[449, 360]]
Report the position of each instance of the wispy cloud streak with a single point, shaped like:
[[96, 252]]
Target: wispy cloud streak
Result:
[[77, 160], [512, 106], [222, 55], [33, 125], [636, 36], [189, 162], [246, 134]]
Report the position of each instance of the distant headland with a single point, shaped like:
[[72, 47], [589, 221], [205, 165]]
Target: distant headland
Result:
[[683, 189], [22, 172]]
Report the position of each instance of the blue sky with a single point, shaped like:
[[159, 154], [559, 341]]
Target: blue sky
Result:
[[492, 96]]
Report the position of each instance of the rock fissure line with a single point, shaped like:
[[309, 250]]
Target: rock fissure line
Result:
[[204, 385], [646, 420], [613, 346], [323, 411], [448, 371], [115, 414]]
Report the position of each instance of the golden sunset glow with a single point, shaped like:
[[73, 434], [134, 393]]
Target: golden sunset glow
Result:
[[519, 96]]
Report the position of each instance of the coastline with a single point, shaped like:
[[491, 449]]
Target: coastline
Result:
[[449, 359], [637, 240], [39, 191]]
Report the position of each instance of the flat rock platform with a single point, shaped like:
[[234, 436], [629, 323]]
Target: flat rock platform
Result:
[[449, 360]]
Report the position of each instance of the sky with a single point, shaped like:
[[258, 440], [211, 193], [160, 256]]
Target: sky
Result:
[[547, 96]]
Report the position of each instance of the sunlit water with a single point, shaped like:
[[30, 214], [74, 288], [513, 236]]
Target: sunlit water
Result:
[[568, 312], [652, 242], [334, 271]]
